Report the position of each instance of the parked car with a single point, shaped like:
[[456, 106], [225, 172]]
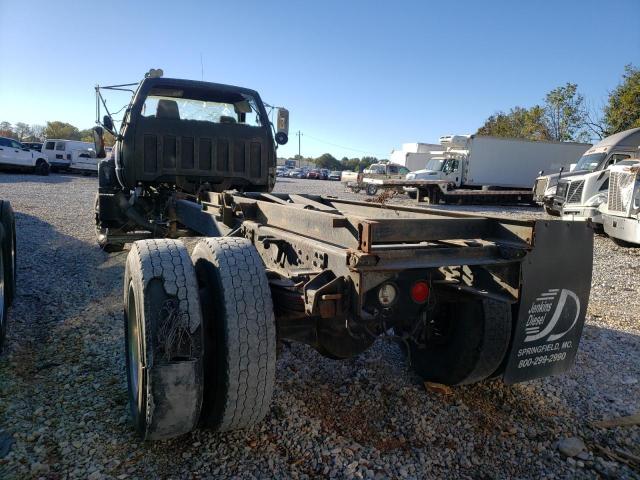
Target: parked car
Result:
[[296, 173], [280, 171], [58, 152], [324, 174], [33, 145], [314, 174], [335, 175], [7, 264], [15, 155]]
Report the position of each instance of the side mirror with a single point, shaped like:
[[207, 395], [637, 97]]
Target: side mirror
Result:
[[98, 141], [108, 123], [282, 127]]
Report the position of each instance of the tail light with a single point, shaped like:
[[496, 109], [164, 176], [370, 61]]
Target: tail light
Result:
[[420, 291]]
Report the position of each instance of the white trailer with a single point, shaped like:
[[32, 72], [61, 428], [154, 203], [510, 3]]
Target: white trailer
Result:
[[477, 167]]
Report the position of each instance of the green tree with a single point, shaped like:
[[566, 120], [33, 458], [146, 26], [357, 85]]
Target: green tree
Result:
[[565, 113], [520, 122], [328, 161], [622, 111], [61, 130]]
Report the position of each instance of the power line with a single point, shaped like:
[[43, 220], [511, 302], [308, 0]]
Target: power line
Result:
[[342, 146]]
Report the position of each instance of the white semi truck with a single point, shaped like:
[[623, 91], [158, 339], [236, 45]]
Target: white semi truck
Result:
[[621, 213], [579, 195], [472, 168]]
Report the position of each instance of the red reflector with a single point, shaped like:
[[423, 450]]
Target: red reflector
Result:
[[420, 292]]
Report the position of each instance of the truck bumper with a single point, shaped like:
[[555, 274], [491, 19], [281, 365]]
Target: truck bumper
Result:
[[623, 228], [581, 213], [60, 163]]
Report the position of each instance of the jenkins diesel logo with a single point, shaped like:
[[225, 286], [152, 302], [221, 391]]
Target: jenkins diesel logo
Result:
[[552, 315]]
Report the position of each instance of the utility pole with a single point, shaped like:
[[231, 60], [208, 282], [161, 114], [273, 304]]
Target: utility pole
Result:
[[299, 155]]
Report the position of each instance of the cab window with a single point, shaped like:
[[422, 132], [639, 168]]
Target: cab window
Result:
[[450, 165], [617, 157], [393, 169], [404, 170], [15, 144], [49, 145], [60, 146]]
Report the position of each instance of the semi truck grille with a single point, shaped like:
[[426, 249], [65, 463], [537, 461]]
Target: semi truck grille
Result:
[[620, 191], [574, 193], [540, 187]]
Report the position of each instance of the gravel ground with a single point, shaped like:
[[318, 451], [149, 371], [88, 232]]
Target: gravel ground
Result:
[[63, 410]]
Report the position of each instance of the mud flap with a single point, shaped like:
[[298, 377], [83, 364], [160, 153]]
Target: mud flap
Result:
[[554, 294], [172, 385]]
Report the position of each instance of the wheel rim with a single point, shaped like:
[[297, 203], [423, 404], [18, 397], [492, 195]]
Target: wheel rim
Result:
[[133, 353]]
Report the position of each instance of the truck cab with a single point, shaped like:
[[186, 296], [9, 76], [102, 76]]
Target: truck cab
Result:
[[621, 213], [179, 138], [579, 195]]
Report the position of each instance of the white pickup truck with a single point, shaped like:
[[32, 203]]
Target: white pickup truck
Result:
[[15, 155]]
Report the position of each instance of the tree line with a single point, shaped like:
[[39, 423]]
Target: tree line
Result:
[[328, 161], [564, 115], [24, 132]]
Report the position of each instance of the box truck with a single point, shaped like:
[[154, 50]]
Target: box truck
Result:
[[476, 168]]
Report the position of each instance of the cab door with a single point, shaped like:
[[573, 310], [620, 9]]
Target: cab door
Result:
[[5, 151], [451, 170], [17, 153]]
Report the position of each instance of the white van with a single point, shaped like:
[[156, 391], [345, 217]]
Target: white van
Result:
[[58, 152]]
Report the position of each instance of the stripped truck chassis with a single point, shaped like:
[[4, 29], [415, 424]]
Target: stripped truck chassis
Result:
[[475, 298], [326, 257], [430, 191]]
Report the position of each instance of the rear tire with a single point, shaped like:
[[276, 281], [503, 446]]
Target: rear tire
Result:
[[240, 333], [372, 189], [3, 294], [163, 339], [8, 251], [472, 342], [41, 168]]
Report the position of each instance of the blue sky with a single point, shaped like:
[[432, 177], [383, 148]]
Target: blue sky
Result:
[[363, 75]]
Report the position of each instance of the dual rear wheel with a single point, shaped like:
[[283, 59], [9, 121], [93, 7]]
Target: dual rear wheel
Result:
[[7, 264], [200, 336]]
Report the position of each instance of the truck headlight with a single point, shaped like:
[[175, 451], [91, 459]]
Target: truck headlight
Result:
[[551, 191], [597, 200], [387, 294]]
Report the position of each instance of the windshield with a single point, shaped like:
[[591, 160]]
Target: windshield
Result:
[[239, 110], [435, 164], [590, 162]]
